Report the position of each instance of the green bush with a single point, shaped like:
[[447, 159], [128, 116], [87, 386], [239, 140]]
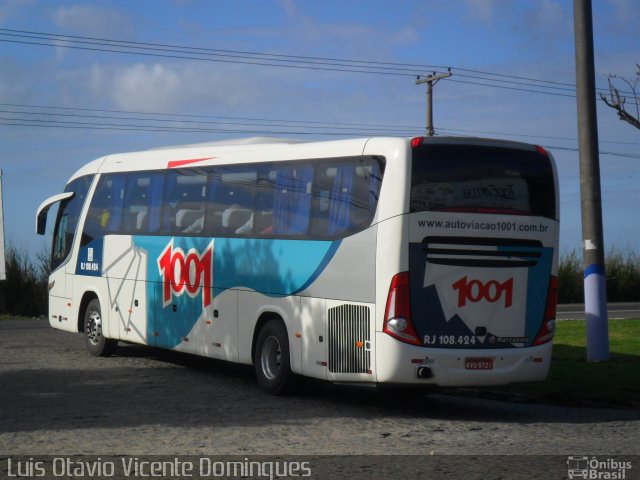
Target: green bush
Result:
[[570, 279], [24, 292], [623, 277]]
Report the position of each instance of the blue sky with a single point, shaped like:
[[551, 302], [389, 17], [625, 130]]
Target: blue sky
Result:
[[531, 39]]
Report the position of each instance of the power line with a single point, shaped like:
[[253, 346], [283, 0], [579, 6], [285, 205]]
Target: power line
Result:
[[414, 66], [557, 94], [372, 66], [176, 129], [233, 59], [63, 124], [194, 122], [528, 135], [180, 115], [330, 127], [282, 60], [553, 147], [315, 66]]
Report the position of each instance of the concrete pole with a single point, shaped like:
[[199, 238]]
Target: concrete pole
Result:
[[430, 131], [431, 80], [595, 293]]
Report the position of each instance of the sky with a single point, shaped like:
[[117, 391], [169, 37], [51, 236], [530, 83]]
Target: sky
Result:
[[275, 67]]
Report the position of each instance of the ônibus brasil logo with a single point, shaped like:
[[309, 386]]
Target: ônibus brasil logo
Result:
[[186, 273], [492, 291]]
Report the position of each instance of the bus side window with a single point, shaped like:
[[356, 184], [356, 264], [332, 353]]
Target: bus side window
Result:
[[266, 185], [232, 206], [105, 211], [292, 200], [135, 204], [345, 196], [333, 200], [363, 202], [142, 203], [321, 201], [184, 202]]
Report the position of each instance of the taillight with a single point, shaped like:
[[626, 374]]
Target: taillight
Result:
[[397, 314], [548, 327]]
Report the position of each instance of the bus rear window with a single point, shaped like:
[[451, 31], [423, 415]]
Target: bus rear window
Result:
[[482, 179]]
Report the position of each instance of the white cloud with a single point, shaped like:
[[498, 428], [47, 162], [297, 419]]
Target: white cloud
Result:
[[352, 38], [289, 8], [139, 86], [14, 81], [482, 10], [92, 20], [548, 14], [177, 87], [626, 11], [13, 8]]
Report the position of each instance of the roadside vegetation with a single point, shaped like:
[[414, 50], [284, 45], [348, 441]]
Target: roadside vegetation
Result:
[[574, 381], [24, 293], [623, 277]]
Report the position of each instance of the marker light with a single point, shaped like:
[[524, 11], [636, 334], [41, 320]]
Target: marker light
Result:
[[542, 151], [416, 141]]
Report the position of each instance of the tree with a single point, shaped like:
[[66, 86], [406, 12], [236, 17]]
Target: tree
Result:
[[617, 101]]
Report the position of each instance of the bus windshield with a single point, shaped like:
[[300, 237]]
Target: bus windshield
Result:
[[482, 179], [67, 220]]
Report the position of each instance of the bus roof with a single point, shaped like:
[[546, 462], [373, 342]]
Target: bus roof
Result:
[[270, 148], [223, 152]]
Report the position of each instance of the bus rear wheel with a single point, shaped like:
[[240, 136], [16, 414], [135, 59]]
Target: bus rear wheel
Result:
[[97, 344], [271, 359]]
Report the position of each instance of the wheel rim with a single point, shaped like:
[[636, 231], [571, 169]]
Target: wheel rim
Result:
[[94, 329], [270, 357]]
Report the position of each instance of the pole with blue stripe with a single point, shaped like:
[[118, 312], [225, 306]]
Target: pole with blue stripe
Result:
[[595, 288]]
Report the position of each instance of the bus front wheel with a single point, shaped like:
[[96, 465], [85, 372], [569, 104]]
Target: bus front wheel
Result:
[[97, 344], [272, 360]]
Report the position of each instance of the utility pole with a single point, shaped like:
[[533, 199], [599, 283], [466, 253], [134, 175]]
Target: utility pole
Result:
[[3, 269], [595, 287], [431, 80]]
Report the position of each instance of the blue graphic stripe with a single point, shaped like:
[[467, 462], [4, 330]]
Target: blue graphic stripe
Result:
[[325, 261], [273, 267], [537, 289]]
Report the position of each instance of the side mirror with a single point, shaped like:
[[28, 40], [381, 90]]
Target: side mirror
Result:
[[43, 209]]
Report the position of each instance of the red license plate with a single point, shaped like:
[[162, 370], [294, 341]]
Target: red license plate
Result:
[[478, 363]]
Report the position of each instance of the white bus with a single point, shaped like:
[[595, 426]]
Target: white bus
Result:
[[425, 261]]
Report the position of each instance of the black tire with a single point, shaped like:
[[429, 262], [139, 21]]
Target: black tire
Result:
[[97, 344], [272, 361]]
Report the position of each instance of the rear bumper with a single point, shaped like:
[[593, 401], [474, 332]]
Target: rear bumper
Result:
[[398, 362]]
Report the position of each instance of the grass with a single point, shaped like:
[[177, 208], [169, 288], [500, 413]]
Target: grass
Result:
[[573, 380]]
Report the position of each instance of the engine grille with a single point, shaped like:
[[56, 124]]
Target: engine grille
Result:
[[349, 339]]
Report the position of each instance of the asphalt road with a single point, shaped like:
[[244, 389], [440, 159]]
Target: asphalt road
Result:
[[56, 399], [575, 311]]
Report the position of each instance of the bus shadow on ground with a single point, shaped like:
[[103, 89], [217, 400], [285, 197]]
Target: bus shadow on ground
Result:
[[142, 386]]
